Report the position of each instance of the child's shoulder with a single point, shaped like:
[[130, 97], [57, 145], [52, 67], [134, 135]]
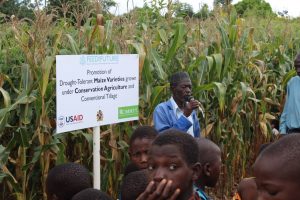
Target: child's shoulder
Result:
[[201, 194]]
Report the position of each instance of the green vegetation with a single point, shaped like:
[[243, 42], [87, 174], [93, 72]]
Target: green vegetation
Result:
[[254, 7], [239, 68], [21, 9]]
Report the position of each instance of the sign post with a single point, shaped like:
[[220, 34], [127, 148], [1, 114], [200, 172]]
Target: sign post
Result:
[[96, 90], [96, 157]]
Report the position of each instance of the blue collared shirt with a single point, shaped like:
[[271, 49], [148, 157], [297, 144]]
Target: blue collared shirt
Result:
[[290, 117], [178, 112], [164, 118]]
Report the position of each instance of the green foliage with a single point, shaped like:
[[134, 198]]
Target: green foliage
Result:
[[254, 7], [21, 9], [183, 10], [203, 13], [76, 8]]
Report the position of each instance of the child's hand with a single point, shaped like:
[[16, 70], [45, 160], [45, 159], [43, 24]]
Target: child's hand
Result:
[[162, 192]]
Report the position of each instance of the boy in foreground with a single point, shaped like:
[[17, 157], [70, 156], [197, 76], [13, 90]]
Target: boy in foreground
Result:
[[276, 170], [65, 180], [246, 190], [139, 145], [134, 184], [173, 167], [211, 162]]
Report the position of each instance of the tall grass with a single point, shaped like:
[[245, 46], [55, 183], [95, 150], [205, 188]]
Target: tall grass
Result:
[[238, 69]]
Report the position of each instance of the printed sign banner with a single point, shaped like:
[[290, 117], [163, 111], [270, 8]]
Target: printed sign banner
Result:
[[95, 90]]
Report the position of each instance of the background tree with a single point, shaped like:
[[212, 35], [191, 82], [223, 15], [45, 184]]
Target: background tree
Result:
[[21, 9], [203, 13], [66, 7], [183, 9], [256, 7], [107, 4]]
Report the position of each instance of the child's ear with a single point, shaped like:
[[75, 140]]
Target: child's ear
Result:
[[207, 169], [197, 170]]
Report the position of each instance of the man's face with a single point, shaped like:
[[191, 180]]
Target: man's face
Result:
[[167, 162], [138, 152], [182, 89], [272, 182]]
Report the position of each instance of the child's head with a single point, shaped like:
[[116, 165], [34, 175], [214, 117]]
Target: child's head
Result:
[[139, 145], [91, 194], [297, 64], [173, 156], [275, 123], [277, 168], [131, 167], [263, 147], [247, 189], [134, 184], [210, 160], [63, 181]]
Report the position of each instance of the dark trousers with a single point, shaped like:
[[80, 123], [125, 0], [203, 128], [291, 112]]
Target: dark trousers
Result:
[[293, 130]]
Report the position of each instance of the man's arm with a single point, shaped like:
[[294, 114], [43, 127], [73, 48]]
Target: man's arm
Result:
[[163, 121]]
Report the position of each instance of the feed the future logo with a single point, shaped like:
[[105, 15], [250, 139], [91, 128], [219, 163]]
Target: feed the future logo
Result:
[[98, 59], [82, 60]]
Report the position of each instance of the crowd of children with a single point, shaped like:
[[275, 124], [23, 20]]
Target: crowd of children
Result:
[[174, 165]]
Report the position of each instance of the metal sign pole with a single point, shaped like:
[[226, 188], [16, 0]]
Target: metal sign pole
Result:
[[96, 157]]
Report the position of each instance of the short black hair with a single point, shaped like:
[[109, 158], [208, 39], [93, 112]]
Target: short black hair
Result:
[[67, 179], [131, 167], [134, 184], [178, 77], [287, 151], [91, 194], [207, 150], [275, 122], [186, 144], [147, 132]]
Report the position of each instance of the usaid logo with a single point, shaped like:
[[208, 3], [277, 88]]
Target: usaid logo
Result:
[[74, 119], [61, 121]]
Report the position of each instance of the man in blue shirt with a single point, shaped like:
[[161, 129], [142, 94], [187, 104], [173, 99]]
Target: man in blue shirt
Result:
[[179, 111], [290, 117]]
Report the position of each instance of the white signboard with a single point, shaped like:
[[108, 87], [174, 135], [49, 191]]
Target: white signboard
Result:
[[95, 90]]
